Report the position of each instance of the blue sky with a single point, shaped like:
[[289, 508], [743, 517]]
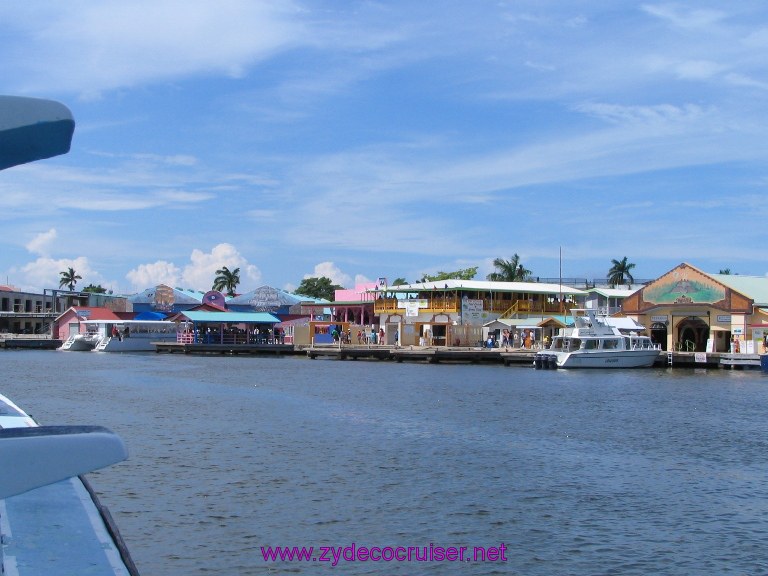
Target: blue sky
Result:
[[359, 140]]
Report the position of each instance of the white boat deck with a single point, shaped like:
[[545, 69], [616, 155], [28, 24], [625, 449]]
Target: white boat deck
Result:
[[57, 530]]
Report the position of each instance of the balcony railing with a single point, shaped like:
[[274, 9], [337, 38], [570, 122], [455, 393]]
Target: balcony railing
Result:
[[449, 304]]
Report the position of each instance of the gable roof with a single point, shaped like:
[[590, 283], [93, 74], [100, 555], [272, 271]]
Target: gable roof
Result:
[[90, 313], [614, 292]]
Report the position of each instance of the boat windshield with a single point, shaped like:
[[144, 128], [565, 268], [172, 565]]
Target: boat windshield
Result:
[[8, 410], [573, 344]]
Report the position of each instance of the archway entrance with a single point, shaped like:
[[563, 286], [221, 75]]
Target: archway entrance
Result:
[[659, 334], [692, 334]]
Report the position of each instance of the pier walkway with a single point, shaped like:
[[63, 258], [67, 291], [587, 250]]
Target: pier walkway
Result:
[[441, 355], [431, 355]]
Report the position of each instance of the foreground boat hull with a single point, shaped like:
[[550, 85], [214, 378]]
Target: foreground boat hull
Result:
[[50, 520], [132, 344]]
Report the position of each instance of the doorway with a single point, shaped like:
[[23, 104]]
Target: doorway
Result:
[[659, 334], [692, 334]]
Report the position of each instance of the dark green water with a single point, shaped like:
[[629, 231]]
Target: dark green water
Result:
[[580, 473]]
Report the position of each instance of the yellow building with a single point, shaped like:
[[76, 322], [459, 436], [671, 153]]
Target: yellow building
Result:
[[689, 310], [454, 312]]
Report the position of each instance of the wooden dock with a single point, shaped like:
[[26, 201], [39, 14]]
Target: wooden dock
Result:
[[443, 355], [227, 349], [429, 355], [30, 342]]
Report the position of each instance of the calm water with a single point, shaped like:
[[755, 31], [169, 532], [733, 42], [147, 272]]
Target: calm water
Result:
[[577, 473]]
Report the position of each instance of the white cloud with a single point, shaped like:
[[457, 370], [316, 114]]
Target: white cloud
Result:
[[46, 272], [656, 115], [330, 270], [679, 17], [200, 271], [40, 243], [160, 272], [118, 44]]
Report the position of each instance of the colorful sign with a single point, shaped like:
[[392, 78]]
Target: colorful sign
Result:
[[684, 286], [472, 311]]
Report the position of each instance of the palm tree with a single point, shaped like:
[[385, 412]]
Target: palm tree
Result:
[[69, 278], [620, 271], [227, 279], [509, 270]]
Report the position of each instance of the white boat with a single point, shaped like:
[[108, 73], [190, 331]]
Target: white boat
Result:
[[80, 342], [50, 520], [129, 335], [595, 342]]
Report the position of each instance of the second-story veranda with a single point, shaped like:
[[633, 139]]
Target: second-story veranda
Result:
[[477, 300]]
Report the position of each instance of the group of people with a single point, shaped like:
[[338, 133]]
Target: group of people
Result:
[[372, 337], [515, 339], [120, 335]]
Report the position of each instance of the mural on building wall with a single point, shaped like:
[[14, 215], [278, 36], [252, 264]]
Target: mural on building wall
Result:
[[163, 299], [214, 298], [684, 285], [265, 299]]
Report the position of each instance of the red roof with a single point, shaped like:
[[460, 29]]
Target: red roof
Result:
[[95, 313]]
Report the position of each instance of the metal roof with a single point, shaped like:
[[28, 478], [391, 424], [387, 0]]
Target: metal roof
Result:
[[484, 286], [231, 317], [274, 297], [755, 287], [614, 292]]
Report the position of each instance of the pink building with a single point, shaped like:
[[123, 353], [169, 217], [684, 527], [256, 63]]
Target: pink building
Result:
[[356, 305]]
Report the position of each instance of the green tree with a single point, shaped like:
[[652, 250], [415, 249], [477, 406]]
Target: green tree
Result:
[[620, 272], [462, 274], [69, 278], [399, 282], [509, 271], [726, 271], [318, 288], [226, 279], [95, 289]]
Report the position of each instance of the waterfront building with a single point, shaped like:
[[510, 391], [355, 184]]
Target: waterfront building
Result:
[[689, 310], [68, 323], [23, 312], [226, 327], [608, 301], [453, 312], [356, 306], [27, 312]]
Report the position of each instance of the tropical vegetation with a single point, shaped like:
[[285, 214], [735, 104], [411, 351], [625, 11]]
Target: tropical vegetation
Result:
[[321, 287], [69, 279], [226, 280], [619, 272], [509, 270], [461, 274]]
